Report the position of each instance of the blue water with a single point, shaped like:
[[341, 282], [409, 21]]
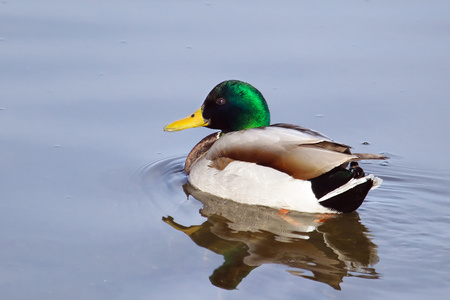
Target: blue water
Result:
[[92, 204], [379, 250]]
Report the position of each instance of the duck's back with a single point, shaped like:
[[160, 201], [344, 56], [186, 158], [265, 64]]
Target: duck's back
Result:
[[298, 152]]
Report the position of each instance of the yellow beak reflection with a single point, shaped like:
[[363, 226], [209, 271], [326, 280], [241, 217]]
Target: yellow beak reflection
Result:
[[194, 120]]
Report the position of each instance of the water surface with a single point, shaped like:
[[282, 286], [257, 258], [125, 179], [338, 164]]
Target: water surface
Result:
[[94, 203]]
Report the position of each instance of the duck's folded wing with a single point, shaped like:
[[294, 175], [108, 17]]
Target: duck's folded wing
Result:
[[297, 153]]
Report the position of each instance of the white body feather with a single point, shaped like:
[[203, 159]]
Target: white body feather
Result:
[[252, 184]]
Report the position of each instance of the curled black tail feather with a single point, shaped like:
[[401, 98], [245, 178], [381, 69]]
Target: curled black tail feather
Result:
[[349, 200]]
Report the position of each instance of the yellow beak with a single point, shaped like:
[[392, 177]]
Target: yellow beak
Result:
[[194, 120]]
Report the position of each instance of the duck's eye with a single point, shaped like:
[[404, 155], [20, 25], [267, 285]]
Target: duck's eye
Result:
[[220, 101]]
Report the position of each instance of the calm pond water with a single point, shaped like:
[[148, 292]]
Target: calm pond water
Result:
[[93, 200]]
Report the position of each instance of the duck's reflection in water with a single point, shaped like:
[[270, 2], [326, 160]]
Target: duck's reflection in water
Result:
[[325, 248]]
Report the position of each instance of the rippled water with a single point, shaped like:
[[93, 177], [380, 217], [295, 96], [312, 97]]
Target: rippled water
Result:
[[394, 239]]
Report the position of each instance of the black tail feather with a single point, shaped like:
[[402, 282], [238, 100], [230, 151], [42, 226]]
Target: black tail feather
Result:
[[349, 200]]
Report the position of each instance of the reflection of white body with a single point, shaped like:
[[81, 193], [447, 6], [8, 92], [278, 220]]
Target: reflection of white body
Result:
[[327, 240], [251, 218], [309, 154]]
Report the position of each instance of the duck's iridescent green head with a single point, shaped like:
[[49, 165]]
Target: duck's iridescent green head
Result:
[[231, 105], [235, 105]]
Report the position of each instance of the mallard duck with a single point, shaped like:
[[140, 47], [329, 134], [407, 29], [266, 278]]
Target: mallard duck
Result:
[[282, 166]]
